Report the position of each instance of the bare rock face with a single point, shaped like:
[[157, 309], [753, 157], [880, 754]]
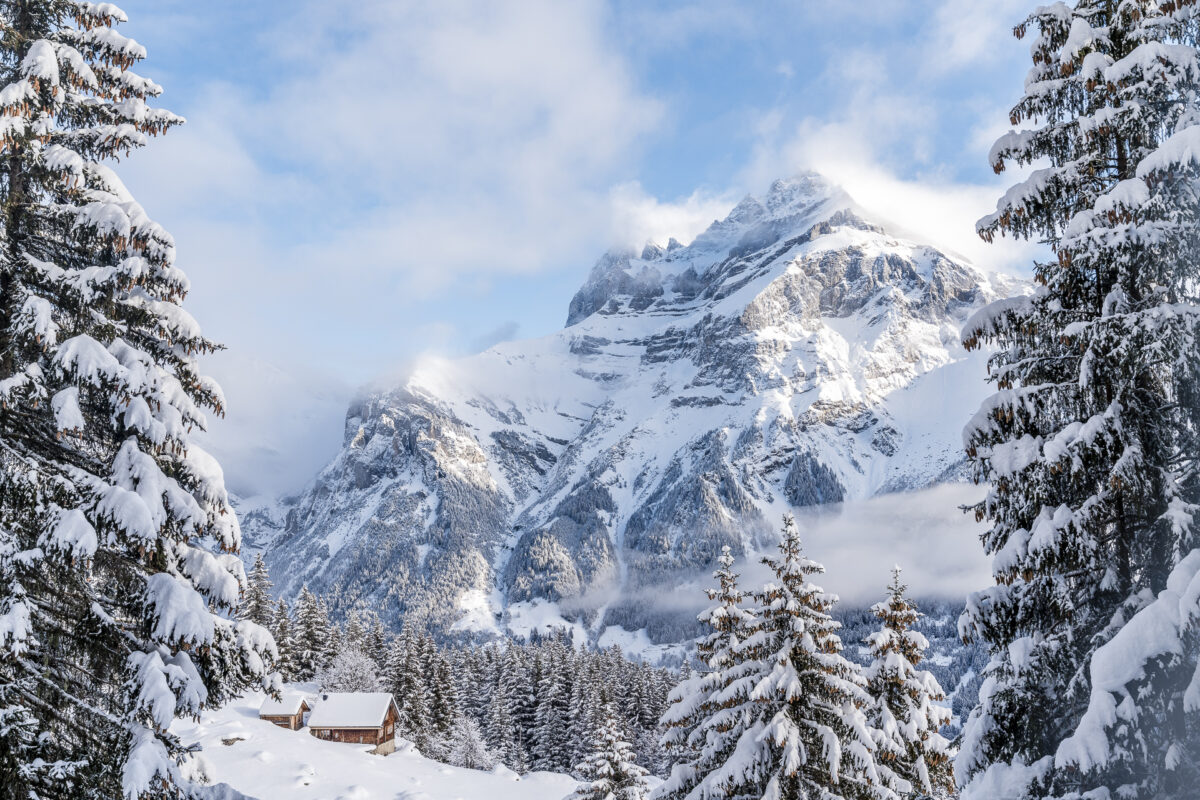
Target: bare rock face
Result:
[[794, 354]]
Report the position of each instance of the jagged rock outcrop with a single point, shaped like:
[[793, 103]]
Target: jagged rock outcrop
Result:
[[794, 354]]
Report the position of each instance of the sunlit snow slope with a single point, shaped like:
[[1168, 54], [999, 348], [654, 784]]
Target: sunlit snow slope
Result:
[[266, 762], [794, 354]]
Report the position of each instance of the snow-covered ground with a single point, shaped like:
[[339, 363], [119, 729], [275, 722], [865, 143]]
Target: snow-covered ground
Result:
[[268, 762]]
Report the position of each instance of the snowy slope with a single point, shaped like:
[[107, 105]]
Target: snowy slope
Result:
[[264, 761], [794, 354]]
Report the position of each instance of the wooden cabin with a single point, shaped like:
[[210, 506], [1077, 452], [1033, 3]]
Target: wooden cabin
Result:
[[358, 718], [286, 712]]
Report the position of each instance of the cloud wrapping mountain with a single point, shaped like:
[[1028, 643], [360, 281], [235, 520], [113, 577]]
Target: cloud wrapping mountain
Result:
[[795, 354]]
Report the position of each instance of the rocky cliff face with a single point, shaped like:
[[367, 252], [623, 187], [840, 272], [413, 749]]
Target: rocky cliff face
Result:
[[794, 354]]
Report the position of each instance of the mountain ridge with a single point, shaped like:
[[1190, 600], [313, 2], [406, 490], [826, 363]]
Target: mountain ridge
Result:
[[789, 356]]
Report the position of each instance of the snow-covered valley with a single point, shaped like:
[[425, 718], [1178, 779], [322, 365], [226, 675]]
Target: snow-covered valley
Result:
[[266, 762], [800, 502], [795, 358]]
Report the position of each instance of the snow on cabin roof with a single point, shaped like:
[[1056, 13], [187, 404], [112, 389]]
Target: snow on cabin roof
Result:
[[351, 710], [288, 704]]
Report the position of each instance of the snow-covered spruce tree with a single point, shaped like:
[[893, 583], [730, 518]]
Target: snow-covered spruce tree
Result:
[[710, 710], [468, 671], [333, 632], [256, 600], [377, 639], [351, 670], [611, 771], [552, 724], [311, 634], [587, 697], [467, 747], [812, 739], [904, 713], [404, 677], [503, 735], [354, 635], [645, 709], [1089, 444], [651, 753], [396, 677], [444, 709], [519, 671], [110, 606], [281, 630]]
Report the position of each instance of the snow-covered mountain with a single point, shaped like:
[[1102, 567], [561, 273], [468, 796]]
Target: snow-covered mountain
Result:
[[796, 353]]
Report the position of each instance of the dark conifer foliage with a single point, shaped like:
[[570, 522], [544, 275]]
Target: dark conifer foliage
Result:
[[710, 711], [313, 636], [530, 705], [610, 772], [907, 713], [284, 642], [113, 614], [256, 603], [1090, 442], [777, 711]]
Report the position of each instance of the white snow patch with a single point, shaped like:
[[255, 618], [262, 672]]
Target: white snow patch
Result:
[[265, 761], [350, 710], [638, 645], [479, 612], [544, 617], [287, 704]]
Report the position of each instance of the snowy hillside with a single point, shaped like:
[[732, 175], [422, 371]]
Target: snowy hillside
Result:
[[264, 761], [794, 354]]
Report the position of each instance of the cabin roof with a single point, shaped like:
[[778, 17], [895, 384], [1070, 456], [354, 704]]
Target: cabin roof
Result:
[[351, 710], [289, 703]]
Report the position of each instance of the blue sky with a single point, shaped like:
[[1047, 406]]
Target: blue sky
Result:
[[363, 181]]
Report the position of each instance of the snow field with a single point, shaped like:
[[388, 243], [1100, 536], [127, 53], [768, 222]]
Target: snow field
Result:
[[268, 762]]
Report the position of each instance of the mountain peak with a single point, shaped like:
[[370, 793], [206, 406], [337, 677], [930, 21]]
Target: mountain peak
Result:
[[793, 354], [801, 189], [790, 207]]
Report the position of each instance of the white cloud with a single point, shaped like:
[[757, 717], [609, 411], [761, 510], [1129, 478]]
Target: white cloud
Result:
[[472, 92], [925, 532], [481, 137], [881, 141], [971, 32], [651, 27], [383, 152], [375, 153], [929, 206], [282, 423], [504, 332], [638, 217], [929, 209]]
